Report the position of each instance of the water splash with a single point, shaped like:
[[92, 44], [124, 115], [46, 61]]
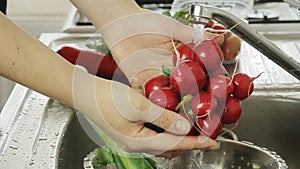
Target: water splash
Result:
[[197, 32]]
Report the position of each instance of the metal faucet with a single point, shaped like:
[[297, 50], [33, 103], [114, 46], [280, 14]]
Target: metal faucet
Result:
[[248, 34], [294, 3]]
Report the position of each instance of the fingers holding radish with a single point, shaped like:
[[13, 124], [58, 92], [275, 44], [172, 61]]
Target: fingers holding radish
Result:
[[214, 98], [165, 97], [155, 83]]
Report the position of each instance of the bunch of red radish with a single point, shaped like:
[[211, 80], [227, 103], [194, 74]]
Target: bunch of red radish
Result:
[[232, 43], [197, 87]]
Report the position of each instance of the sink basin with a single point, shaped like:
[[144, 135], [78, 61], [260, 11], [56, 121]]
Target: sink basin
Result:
[[270, 120], [273, 121]]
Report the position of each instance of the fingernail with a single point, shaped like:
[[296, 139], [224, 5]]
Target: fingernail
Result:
[[182, 126], [202, 140], [210, 144], [215, 147]]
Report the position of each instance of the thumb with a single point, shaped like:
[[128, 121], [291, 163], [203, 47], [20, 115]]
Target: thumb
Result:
[[135, 107], [172, 122]]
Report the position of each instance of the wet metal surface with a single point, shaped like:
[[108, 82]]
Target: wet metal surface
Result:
[[32, 134]]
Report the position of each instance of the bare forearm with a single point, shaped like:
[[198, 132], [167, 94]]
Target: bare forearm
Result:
[[27, 61]]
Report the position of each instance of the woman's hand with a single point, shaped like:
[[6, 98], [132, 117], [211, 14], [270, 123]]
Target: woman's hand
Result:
[[141, 51], [139, 39], [141, 42], [121, 112]]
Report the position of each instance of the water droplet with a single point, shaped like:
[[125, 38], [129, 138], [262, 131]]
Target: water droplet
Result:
[[13, 147], [277, 156], [255, 166], [42, 139], [86, 159], [264, 148]]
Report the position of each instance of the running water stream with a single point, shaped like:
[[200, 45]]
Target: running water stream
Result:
[[198, 29], [197, 32]]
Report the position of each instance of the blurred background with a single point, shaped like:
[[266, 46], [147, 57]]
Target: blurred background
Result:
[[36, 17]]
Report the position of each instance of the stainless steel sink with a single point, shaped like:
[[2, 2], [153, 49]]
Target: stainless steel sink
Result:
[[270, 119]]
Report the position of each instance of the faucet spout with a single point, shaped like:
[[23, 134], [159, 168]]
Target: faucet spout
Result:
[[252, 37], [294, 3]]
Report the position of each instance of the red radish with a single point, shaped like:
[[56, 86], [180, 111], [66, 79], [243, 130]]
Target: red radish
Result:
[[188, 78], [231, 47], [185, 52], [203, 103], [210, 23], [209, 53], [243, 85], [155, 83], [218, 26], [219, 71], [210, 125], [232, 110], [220, 86], [96, 63], [165, 97], [221, 29]]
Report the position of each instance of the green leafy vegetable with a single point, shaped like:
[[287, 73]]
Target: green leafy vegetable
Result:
[[181, 16], [121, 158], [103, 158], [99, 46], [166, 71], [118, 161]]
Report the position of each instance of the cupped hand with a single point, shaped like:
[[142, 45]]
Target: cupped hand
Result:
[[141, 42], [121, 111], [148, 42], [140, 53]]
